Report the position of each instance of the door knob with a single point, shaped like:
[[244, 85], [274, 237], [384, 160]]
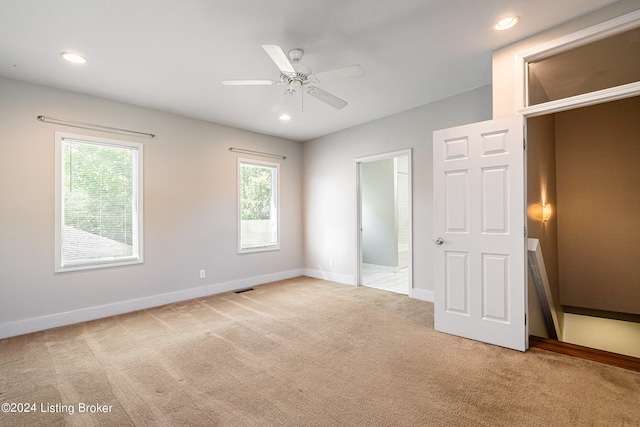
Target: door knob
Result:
[[439, 241]]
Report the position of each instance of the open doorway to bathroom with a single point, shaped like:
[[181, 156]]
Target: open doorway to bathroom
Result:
[[384, 214]]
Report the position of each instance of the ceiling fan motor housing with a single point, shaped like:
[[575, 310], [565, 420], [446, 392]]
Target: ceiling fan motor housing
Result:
[[302, 72]]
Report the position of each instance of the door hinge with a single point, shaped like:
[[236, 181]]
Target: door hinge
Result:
[[525, 232], [525, 319]]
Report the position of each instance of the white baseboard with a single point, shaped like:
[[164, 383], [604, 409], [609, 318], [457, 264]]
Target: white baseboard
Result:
[[345, 279], [20, 327], [423, 294]]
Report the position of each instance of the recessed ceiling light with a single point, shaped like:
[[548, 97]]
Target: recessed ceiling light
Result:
[[285, 117], [74, 57], [506, 23]]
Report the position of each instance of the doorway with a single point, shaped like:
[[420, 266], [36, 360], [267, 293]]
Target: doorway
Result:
[[454, 295], [581, 164], [384, 221]]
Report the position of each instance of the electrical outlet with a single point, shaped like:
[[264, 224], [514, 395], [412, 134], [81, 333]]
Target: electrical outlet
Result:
[[202, 274], [331, 261]]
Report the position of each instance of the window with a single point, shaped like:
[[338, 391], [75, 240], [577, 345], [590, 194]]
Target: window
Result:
[[258, 206], [593, 65], [98, 202], [601, 64]]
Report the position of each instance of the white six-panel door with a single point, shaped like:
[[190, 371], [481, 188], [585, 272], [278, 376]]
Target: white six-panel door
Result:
[[479, 232]]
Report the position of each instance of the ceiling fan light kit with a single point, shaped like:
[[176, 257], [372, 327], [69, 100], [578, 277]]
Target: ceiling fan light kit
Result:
[[297, 76]]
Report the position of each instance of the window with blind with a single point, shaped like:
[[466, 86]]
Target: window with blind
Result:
[[258, 206], [98, 202]]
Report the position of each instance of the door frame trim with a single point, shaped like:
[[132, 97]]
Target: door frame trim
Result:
[[358, 210]]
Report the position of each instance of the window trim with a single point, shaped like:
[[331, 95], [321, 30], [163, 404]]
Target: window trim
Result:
[[60, 137], [275, 247]]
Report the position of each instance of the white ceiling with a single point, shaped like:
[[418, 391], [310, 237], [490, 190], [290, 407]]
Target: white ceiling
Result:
[[172, 55]]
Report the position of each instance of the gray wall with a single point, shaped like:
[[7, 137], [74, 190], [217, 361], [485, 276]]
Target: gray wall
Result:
[[329, 184], [190, 204], [189, 211], [378, 193]]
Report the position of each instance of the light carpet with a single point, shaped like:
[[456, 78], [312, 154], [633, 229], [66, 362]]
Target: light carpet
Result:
[[300, 352]]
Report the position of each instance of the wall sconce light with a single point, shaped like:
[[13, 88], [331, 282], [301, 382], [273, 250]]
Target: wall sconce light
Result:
[[546, 212]]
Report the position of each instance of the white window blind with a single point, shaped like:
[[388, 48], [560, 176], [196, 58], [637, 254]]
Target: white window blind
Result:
[[258, 205], [98, 195]]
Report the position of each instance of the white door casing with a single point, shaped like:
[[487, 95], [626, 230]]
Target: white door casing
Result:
[[479, 231]]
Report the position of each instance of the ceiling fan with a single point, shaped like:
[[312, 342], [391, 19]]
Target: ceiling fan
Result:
[[296, 75]]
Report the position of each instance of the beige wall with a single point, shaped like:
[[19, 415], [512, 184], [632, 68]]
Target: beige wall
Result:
[[591, 242], [598, 209]]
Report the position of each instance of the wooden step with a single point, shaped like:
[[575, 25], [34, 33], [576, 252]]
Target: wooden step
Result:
[[606, 357]]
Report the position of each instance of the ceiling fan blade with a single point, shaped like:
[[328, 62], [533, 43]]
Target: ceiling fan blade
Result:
[[282, 101], [281, 60], [326, 97], [339, 73], [249, 82]]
